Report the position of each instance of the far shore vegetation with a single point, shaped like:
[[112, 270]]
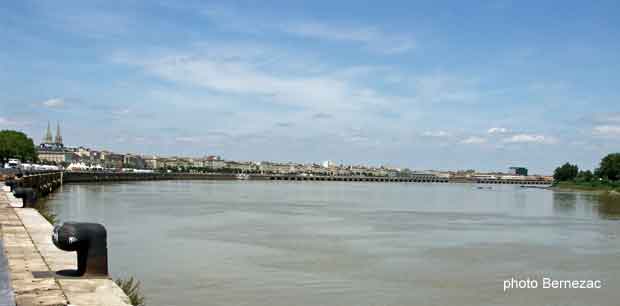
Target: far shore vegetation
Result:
[[605, 178]]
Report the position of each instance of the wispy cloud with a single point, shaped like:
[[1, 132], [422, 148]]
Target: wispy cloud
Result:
[[497, 130], [371, 37], [120, 113], [54, 103], [473, 140], [374, 38], [244, 75], [188, 139], [436, 134], [606, 130], [530, 138]]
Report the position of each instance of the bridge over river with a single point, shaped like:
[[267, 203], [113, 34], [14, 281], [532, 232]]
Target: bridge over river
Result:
[[99, 176], [413, 179]]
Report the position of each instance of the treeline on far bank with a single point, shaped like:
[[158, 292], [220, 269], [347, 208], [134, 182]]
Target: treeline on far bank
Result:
[[605, 177]]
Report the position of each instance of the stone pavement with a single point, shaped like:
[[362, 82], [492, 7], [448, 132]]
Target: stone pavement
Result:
[[28, 247]]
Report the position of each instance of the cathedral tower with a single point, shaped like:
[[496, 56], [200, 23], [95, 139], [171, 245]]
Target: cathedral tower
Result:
[[58, 139], [48, 135]]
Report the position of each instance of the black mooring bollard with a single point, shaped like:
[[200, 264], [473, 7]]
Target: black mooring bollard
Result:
[[28, 196], [11, 183], [89, 240]]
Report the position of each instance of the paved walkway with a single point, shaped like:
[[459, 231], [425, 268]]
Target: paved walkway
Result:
[[29, 249], [24, 258], [6, 293]]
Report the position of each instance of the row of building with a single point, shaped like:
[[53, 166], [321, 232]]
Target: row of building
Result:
[[53, 151]]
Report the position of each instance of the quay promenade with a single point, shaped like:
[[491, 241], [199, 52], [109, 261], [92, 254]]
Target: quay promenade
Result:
[[6, 294], [33, 259]]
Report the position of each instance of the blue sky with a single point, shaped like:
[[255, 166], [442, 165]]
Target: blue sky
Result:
[[437, 84]]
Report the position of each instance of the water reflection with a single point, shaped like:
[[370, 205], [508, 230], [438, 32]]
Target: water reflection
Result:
[[565, 203], [609, 206]]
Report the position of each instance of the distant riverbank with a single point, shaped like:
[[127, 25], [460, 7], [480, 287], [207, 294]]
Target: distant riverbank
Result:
[[597, 187]]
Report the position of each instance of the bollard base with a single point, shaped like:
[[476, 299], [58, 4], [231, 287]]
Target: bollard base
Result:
[[66, 274]]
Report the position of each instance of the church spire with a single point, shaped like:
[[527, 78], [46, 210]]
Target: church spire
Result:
[[58, 139], [48, 134]]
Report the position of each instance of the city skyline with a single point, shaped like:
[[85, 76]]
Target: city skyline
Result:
[[52, 149], [421, 86]]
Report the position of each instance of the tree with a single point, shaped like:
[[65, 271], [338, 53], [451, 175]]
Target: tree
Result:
[[566, 172], [14, 144], [610, 167], [585, 176]]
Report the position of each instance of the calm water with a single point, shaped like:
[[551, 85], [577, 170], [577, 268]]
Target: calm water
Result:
[[310, 243]]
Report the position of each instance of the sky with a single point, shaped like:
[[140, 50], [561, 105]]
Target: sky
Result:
[[426, 85]]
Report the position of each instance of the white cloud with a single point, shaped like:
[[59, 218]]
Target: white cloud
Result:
[[497, 130], [121, 112], [530, 138], [473, 140], [244, 75], [436, 134], [188, 139], [374, 38], [606, 130], [54, 103]]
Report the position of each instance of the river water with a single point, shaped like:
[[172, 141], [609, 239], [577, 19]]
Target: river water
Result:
[[345, 243]]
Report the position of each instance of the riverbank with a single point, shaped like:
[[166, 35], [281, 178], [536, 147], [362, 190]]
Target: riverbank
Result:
[[595, 187]]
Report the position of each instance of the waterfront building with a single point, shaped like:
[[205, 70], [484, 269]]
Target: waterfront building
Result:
[[151, 162], [133, 161], [328, 164], [279, 168], [198, 162], [174, 162], [112, 160], [215, 163], [54, 156], [95, 155], [242, 166], [83, 153]]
